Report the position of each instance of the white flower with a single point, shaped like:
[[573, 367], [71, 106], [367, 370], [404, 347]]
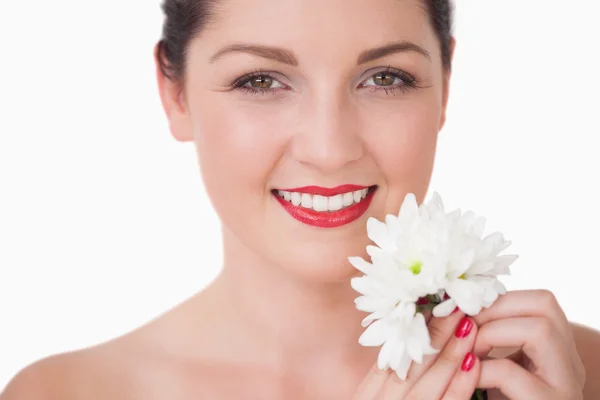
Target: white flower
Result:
[[472, 282], [406, 264], [424, 251], [404, 336], [473, 264]]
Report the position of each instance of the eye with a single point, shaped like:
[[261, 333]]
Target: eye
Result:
[[258, 83], [384, 79], [389, 80], [263, 82]]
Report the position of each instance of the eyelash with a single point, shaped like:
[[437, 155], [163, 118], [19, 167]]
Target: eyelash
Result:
[[408, 82]]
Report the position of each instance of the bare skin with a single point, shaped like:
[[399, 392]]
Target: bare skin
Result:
[[280, 322], [173, 358]]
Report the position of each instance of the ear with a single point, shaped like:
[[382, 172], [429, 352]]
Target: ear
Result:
[[446, 84], [172, 97]]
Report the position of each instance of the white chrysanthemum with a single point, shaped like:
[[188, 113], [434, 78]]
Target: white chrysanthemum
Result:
[[404, 336], [405, 263], [475, 264], [425, 251]]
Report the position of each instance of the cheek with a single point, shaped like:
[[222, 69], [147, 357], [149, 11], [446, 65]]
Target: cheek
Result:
[[403, 145], [238, 147]]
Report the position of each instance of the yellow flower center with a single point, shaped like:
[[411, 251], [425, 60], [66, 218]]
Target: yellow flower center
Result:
[[416, 267]]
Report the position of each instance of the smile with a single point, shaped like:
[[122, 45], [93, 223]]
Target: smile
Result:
[[325, 207]]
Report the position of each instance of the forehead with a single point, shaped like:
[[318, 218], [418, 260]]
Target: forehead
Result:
[[319, 28]]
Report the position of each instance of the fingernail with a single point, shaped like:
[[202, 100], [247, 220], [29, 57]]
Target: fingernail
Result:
[[455, 310], [468, 362], [463, 328]]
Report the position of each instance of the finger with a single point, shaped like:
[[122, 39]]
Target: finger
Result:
[[512, 380], [436, 380], [539, 340], [440, 332], [533, 303], [371, 385], [465, 380], [527, 303]]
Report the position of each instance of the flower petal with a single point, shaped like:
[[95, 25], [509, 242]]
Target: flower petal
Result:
[[399, 354], [478, 227], [364, 285], [481, 268], [436, 202], [468, 220], [373, 304], [462, 263], [468, 295], [409, 209], [372, 317], [374, 251], [502, 246], [393, 226], [414, 350], [376, 334], [385, 354], [403, 367], [444, 309], [404, 311], [502, 264], [361, 265], [377, 232]]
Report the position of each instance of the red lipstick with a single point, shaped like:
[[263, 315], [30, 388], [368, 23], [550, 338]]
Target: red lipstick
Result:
[[327, 219], [327, 192]]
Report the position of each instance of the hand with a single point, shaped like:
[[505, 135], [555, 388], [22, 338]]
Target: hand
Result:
[[440, 376], [546, 366]]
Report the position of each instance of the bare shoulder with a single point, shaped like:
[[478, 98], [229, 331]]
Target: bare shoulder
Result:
[[47, 379], [587, 341], [126, 368], [92, 373]]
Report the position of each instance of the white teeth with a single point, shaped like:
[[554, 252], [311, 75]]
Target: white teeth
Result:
[[347, 199], [323, 203], [335, 203], [296, 198], [306, 200], [319, 203]]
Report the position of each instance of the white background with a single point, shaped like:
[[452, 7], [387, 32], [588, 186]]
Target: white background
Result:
[[103, 219]]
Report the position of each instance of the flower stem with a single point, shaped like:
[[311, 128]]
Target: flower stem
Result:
[[433, 298], [423, 307], [479, 394]]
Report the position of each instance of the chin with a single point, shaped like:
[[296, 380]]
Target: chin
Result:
[[325, 262]]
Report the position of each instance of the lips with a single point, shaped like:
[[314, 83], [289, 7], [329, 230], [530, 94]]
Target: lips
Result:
[[317, 190], [326, 207]]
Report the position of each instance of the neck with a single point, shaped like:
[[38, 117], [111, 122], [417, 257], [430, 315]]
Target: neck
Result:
[[283, 321]]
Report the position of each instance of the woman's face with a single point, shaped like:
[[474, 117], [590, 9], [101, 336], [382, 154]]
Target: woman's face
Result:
[[295, 95]]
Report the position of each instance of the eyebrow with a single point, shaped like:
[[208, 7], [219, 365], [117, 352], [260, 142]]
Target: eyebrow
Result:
[[398, 47], [272, 53], [287, 57]]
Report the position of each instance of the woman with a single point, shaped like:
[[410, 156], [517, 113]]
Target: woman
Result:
[[335, 107]]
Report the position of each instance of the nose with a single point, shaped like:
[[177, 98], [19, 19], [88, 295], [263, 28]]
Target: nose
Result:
[[328, 138]]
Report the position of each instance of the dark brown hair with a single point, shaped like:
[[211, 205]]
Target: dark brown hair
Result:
[[184, 19]]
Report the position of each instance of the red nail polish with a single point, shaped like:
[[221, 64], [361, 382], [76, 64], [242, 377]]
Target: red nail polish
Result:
[[468, 362], [464, 327], [455, 310]]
